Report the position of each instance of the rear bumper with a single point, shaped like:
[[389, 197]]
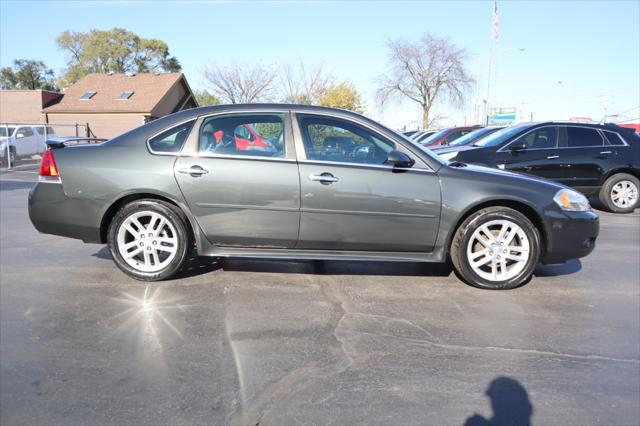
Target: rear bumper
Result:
[[52, 212], [571, 235]]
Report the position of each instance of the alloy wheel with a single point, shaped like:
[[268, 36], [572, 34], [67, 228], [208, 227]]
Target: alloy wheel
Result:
[[147, 241], [498, 250], [624, 194]]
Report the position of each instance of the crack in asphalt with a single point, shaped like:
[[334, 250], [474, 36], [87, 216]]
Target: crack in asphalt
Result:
[[345, 324], [295, 381]]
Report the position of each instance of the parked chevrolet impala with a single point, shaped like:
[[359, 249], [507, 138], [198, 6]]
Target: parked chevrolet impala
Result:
[[329, 184]]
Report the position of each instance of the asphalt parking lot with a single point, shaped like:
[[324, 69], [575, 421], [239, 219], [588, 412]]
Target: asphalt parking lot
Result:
[[271, 342]]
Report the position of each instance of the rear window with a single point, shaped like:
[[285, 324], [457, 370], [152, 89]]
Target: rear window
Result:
[[583, 137], [613, 138], [171, 141]]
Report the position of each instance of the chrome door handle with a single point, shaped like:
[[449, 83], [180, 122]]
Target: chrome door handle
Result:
[[324, 178], [194, 171], [551, 157], [606, 152]]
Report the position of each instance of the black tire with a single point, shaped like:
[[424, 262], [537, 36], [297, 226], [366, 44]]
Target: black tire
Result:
[[605, 194], [182, 232], [464, 234]]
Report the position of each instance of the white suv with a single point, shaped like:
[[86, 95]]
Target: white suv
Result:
[[23, 140]]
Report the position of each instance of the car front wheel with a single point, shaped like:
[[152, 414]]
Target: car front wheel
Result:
[[496, 248], [149, 240], [621, 193]]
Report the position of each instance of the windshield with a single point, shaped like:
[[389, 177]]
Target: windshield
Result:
[[497, 138], [424, 149], [433, 137], [3, 131], [474, 136]]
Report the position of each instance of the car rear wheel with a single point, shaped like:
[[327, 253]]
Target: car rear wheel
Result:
[[621, 193], [149, 240], [496, 248]]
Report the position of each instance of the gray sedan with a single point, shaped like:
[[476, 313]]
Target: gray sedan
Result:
[[293, 181]]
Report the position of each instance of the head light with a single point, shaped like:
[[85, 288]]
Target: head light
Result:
[[449, 155], [572, 201]]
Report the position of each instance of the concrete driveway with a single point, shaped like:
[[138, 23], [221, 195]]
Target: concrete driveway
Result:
[[271, 342]]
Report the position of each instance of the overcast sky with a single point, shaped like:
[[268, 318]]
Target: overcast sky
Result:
[[591, 47]]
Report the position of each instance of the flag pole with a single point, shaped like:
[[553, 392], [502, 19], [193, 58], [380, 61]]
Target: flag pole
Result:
[[494, 38]]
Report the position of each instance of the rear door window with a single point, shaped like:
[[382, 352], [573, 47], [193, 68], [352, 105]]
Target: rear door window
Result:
[[582, 137], [255, 135]]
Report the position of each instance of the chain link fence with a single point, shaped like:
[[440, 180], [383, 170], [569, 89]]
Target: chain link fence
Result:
[[21, 142]]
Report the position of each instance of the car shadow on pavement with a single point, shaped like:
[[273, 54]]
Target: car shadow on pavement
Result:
[[567, 268], [510, 404], [198, 265]]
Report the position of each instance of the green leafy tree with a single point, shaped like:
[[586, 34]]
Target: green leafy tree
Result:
[[27, 74], [116, 50], [342, 95], [205, 98]]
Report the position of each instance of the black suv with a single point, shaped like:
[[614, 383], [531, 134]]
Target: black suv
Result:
[[595, 159]]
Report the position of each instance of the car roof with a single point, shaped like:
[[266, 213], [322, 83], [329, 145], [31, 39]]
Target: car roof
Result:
[[603, 126]]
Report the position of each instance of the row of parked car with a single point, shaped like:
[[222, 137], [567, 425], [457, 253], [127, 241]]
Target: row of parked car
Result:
[[23, 141], [600, 160]]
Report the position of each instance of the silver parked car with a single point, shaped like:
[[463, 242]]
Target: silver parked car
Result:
[[293, 181]]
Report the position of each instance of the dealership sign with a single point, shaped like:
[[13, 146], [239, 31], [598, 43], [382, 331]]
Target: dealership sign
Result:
[[502, 116]]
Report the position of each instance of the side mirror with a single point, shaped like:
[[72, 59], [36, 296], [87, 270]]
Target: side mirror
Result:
[[19, 135], [400, 159], [517, 147]]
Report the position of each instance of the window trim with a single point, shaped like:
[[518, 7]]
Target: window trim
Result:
[[174, 154]]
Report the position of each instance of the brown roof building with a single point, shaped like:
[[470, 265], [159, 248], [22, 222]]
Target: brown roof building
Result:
[[113, 104], [25, 106]]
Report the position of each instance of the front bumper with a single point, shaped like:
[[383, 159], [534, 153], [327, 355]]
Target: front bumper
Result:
[[52, 212], [570, 235]]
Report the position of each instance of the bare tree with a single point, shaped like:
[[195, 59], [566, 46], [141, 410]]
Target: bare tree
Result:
[[239, 84], [424, 72], [303, 84]]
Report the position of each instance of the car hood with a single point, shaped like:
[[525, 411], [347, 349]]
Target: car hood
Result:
[[500, 173], [461, 148]]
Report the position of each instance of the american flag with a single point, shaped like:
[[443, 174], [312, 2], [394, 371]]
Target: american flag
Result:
[[496, 20]]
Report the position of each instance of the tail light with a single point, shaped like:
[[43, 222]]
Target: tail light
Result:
[[48, 169]]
